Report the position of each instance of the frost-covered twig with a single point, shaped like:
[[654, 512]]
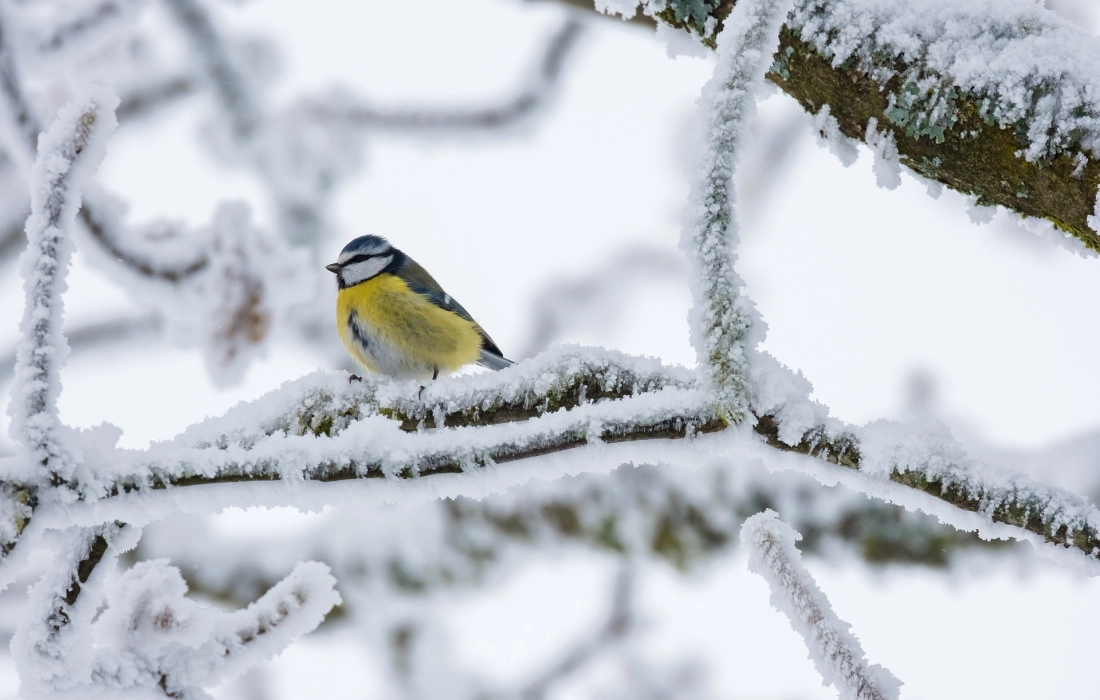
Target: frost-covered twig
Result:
[[139, 631], [721, 317], [53, 639], [998, 101], [683, 517], [930, 462], [104, 229], [140, 101], [123, 328], [119, 329], [595, 297], [528, 100], [231, 86], [158, 638], [68, 153], [836, 653]]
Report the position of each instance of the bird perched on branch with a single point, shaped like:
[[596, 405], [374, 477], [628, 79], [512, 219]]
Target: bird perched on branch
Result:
[[396, 320]]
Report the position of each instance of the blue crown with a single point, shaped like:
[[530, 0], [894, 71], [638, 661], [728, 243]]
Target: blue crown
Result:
[[366, 245]]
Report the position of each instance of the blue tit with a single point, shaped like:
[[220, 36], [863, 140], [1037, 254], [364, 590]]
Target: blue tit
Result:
[[395, 319]]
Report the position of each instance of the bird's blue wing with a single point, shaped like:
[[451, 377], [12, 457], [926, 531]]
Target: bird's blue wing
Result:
[[423, 283]]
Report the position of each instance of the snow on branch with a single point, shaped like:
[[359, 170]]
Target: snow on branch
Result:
[[53, 641], [67, 154], [152, 636], [926, 461], [164, 264], [836, 653], [683, 516], [84, 633], [999, 101], [321, 428], [722, 318]]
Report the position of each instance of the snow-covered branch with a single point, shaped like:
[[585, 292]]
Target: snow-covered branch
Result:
[[722, 318], [321, 428], [67, 154], [105, 230], [836, 653], [84, 634], [53, 639], [996, 101], [683, 516]]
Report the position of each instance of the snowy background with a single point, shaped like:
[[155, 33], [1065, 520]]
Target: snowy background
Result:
[[893, 304]]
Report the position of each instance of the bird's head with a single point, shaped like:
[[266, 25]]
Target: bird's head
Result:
[[363, 258]]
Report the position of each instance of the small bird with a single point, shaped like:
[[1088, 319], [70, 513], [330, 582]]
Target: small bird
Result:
[[395, 319]]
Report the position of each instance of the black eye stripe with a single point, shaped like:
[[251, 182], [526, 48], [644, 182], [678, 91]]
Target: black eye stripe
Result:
[[361, 257]]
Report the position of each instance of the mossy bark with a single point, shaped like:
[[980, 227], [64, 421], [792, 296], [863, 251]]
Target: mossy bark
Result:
[[974, 157]]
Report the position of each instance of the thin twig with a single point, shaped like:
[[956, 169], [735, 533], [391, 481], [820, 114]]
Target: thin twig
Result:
[[619, 624], [515, 108], [96, 334], [835, 652]]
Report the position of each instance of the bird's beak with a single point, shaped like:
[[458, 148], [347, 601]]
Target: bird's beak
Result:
[[333, 268]]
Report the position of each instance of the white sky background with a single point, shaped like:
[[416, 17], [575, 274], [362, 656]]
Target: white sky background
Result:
[[860, 287]]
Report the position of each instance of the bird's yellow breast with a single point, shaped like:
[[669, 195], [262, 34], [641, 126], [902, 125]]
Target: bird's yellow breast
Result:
[[392, 330]]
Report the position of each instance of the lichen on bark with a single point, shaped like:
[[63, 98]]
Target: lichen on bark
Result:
[[966, 152]]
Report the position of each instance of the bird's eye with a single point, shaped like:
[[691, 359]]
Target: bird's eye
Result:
[[356, 259]]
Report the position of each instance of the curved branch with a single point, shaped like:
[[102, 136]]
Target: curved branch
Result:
[[102, 228], [62, 612], [527, 101], [67, 155], [140, 101]]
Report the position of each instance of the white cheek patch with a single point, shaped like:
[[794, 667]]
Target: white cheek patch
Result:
[[363, 271]]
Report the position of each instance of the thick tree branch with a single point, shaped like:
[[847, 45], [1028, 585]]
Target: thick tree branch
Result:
[[945, 131], [538, 409]]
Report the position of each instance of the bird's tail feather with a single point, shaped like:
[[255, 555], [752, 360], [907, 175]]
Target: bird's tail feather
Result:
[[493, 361]]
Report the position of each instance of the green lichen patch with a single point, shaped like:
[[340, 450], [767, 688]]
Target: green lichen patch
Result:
[[931, 120], [973, 157]]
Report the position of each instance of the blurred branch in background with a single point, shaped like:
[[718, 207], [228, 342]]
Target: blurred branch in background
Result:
[[635, 513], [620, 623], [545, 77], [565, 305]]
